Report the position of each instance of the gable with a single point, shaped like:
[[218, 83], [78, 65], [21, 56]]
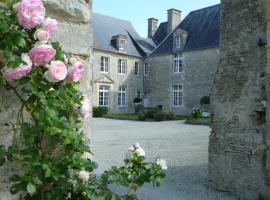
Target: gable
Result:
[[105, 80]]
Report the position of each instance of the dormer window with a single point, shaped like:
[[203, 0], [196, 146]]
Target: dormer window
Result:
[[119, 42], [122, 44], [177, 42]]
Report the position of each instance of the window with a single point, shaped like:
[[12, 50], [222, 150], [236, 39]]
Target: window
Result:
[[177, 64], [146, 69], [177, 95], [104, 95], [177, 42], [122, 66], [122, 96], [104, 64], [137, 68], [138, 93], [146, 94], [122, 44]]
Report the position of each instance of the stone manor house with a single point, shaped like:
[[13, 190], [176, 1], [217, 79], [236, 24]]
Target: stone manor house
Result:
[[173, 68]]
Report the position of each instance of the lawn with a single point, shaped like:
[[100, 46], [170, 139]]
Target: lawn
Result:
[[130, 116]]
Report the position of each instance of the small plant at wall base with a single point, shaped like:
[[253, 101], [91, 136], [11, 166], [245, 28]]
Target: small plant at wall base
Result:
[[55, 157], [100, 111], [196, 113]]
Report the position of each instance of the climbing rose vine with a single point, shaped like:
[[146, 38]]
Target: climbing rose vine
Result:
[[55, 160]]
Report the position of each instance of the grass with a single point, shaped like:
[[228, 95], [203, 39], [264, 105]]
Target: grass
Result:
[[200, 120], [131, 116]]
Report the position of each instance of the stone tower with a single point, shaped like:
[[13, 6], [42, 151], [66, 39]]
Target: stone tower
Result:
[[239, 150], [75, 36]]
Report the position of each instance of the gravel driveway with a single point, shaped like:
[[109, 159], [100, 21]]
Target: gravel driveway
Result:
[[183, 146]]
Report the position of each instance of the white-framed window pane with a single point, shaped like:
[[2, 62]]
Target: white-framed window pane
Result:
[[146, 69], [177, 95], [122, 66], [122, 96], [177, 42], [137, 68], [122, 44], [104, 64], [177, 64], [138, 93], [104, 95]]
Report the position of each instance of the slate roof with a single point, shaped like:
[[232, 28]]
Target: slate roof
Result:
[[161, 33], [105, 27], [202, 26]]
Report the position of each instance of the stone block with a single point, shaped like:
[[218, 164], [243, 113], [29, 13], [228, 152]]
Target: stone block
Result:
[[77, 11]]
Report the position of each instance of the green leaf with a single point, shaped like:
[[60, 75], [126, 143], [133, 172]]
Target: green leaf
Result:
[[4, 26], [31, 189], [2, 155]]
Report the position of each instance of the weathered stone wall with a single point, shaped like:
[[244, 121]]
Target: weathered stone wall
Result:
[[199, 68], [238, 158], [199, 71], [75, 35], [114, 80]]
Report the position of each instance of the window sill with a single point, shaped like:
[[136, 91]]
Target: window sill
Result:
[[104, 72], [122, 74]]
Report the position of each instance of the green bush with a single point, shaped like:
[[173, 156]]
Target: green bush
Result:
[[160, 116], [141, 116], [150, 112], [137, 100], [100, 111], [205, 100], [170, 116], [196, 113]]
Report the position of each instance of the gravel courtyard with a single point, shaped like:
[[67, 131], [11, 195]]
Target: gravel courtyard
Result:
[[183, 146]]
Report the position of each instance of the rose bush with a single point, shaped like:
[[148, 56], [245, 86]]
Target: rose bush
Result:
[[56, 161]]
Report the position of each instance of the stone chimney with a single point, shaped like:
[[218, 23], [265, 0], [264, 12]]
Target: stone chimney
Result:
[[152, 27], [174, 18]]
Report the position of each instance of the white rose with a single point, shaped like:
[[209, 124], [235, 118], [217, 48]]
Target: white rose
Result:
[[162, 163], [131, 148], [140, 152], [84, 176], [136, 145], [72, 60], [86, 155]]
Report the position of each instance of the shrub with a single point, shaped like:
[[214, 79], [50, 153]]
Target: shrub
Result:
[[149, 113], [170, 116], [196, 113], [160, 116], [137, 100], [100, 111], [141, 116], [205, 100]]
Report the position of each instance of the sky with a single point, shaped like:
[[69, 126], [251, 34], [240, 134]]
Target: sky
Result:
[[138, 11]]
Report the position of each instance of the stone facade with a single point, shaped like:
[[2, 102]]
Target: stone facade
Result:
[[114, 80], [75, 36], [239, 142], [199, 68]]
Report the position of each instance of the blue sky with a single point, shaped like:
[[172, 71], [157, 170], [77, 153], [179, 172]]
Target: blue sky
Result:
[[138, 11]]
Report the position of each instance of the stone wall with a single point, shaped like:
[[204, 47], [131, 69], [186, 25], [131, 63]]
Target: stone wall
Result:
[[75, 35], [114, 80], [199, 67], [238, 150], [199, 71]]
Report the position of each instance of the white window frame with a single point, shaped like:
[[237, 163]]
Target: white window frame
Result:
[[104, 64], [177, 95], [103, 99], [178, 42], [122, 44], [178, 63], [122, 66], [146, 69], [122, 96], [137, 68], [146, 94]]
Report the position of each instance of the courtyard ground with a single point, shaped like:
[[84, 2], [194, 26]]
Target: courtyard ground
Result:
[[185, 147]]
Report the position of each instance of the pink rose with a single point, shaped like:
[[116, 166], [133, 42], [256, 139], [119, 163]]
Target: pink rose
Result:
[[76, 72], [57, 71], [42, 36], [17, 73], [31, 13], [42, 54], [50, 26], [85, 109]]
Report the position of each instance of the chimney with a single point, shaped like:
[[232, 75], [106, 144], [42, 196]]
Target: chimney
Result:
[[174, 18], [152, 27]]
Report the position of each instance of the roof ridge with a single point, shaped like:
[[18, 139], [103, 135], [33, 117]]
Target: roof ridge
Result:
[[205, 8], [112, 17]]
